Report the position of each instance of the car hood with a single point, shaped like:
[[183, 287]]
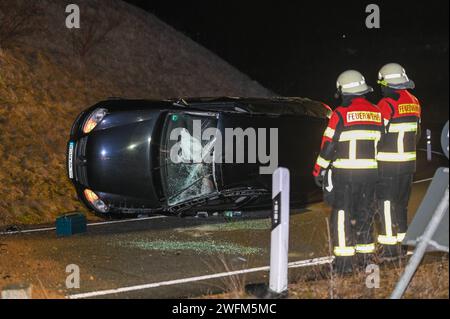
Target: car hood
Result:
[[119, 158]]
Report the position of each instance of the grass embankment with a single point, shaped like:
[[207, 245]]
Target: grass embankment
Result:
[[49, 76]]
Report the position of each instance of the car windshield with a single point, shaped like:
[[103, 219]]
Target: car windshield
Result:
[[187, 159]]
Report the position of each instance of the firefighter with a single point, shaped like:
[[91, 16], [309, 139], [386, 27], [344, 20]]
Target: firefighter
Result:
[[397, 156], [347, 170]]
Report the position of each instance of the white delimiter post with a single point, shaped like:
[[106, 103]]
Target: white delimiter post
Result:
[[280, 232]]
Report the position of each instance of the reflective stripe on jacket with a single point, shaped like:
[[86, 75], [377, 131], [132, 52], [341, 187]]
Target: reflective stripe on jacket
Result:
[[397, 151], [350, 141]]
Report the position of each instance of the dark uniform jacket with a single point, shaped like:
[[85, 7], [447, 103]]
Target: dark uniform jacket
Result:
[[401, 113], [350, 141]]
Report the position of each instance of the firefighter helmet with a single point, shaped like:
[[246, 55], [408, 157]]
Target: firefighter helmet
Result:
[[393, 75], [352, 82]]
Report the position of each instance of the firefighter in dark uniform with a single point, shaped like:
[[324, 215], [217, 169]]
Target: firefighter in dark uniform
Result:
[[347, 170], [397, 156]]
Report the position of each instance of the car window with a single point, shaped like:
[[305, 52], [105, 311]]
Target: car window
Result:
[[187, 171]]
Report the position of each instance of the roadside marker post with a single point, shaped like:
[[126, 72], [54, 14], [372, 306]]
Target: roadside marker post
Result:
[[429, 145], [279, 241], [279, 246]]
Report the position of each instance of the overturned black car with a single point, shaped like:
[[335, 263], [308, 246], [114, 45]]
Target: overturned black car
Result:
[[190, 155]]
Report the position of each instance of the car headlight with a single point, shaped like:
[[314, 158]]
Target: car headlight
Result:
[[96, 202], [93, 119]]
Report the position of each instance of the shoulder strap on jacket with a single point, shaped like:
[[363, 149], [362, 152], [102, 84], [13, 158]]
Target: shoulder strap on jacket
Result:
[[392, 108]]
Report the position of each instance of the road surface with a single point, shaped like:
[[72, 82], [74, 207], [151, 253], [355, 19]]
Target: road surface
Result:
[[154, 255]]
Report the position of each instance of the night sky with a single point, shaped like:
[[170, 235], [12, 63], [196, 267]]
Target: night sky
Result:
[[297, 48]]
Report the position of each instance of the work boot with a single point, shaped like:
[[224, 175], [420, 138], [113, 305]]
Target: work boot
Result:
[[364, 260], [403, 251], [343, 265], [391, 252]]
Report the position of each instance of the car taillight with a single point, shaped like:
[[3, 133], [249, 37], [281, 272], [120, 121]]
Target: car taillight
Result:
[[93, 119], [95, 201]]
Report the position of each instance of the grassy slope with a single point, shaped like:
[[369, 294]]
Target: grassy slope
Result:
[[44, 85]]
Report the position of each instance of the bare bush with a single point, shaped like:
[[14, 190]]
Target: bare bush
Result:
[[93, 32], [18, 19]]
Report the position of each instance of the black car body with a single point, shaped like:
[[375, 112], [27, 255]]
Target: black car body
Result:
[[118, 154]]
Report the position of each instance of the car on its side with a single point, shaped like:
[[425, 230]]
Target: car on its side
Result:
[[120, 156]]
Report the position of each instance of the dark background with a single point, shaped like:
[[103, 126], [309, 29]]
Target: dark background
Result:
[[298, 48]]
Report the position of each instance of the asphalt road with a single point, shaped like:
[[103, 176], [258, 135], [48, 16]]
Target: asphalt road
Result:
[[149, 251], [157, 250]]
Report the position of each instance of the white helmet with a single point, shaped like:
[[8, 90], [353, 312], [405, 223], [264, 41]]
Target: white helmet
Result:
[[352, 82], [393, 75]]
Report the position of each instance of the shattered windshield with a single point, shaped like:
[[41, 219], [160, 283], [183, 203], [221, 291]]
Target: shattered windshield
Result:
[[187, 159]]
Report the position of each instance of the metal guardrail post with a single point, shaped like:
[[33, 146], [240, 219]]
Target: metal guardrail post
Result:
[[420, 250]]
